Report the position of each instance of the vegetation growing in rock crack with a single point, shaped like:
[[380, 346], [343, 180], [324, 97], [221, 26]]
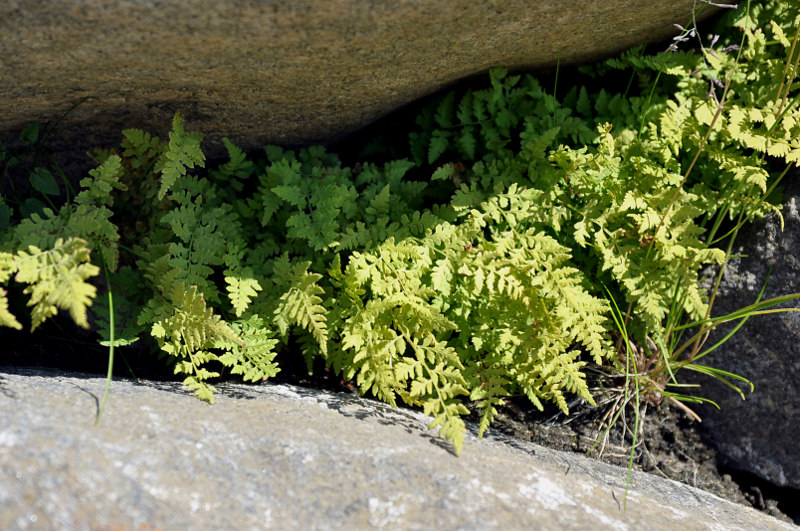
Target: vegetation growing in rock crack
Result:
[[528, 236]]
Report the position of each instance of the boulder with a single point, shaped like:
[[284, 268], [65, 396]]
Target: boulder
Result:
[[760, 434], [285, 457], [281, 71]]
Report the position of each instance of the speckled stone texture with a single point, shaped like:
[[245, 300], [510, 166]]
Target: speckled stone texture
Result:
[[761, 433], [281, 71], [282, 457]]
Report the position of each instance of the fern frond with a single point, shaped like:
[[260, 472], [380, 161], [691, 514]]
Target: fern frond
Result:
[[141, 150], [57, 278], [255, 359], [6, 317], [188, 332], [489, 380], [183, 153], [584, 318], [104, 179], [7, 268], [437, 384], [241, 290], [237, 169], [300, 306], [197, 381], [94, 225]]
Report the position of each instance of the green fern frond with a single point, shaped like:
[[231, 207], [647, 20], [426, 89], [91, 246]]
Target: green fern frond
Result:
[[7, 268], [488, 387], [436, 385], [6, 317], [141, 150], [183, 153], [241, 290], [188, 332], [94, 225], [237, 169], [57, 278], [104, 179], [255, 359], [370, 348], [300, 306]]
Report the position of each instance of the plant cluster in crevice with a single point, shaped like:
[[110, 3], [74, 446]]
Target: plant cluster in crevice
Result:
[[528, 236]]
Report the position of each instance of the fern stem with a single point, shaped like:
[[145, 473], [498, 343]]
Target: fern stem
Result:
[[682, 183], [649, 102], [788, 76], [696, 157], [623, 331], [110, 372], [555, 89]]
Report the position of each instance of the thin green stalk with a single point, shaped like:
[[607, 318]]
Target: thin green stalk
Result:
[[110, 372], [786, 73], [694, 160], [619, 322], [649, 102], [744, 313], [667, 361], [555, 89]]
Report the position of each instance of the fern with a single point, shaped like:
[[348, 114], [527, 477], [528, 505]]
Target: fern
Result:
[[476, 269], [436, 382], [57, 279], [189, 333], [97, 190], [242, 289], [253, 359], [7, 267], [492, 380], [300, 305], [183, 153]]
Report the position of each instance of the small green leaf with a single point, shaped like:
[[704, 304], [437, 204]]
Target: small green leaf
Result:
[[121, 342], [444, 172], [438, 145], [43, 181], [30, 134]]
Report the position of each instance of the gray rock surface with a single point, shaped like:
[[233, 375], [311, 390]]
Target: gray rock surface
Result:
[[760, 434], [276, 456], [281, 71]]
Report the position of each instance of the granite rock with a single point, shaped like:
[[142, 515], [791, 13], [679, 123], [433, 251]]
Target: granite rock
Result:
[[281, 71], [277, 456]]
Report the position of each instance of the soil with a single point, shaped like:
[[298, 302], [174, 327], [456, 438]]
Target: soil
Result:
[[672, 447]]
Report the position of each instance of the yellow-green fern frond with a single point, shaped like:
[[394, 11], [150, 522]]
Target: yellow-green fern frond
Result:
[[57, 279]]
